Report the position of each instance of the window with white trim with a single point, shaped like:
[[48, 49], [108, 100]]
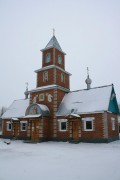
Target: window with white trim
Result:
[[45, 76], [9, 126], [88, 123], [23, 126], [62, 125], [47, 59], [59, 59], [113, 123]]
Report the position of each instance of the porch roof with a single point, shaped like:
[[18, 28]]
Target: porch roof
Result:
[[15, 119], [73, 115], [32, 116]]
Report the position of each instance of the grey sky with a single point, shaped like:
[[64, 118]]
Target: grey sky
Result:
[[87, 30]]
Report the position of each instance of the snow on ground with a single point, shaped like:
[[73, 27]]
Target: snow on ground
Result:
[[59, 161]]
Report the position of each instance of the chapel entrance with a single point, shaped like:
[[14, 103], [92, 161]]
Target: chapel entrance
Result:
[[34, 130], [75, 130], [16, 129]]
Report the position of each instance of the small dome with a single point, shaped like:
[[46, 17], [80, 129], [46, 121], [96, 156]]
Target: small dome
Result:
[[88, 80]]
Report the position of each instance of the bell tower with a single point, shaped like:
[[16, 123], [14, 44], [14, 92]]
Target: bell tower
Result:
[[52, 81], [53, 66]]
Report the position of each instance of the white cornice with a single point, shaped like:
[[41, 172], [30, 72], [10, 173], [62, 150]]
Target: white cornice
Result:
[[52, 66], [49, 87]]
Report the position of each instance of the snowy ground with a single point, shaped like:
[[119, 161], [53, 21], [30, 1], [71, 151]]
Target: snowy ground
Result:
[[59, 161]]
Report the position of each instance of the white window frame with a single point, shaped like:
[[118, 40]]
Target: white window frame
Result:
[[88, 119], [9, 129], [60, 122], [113, 123], [63, 77], [41, 97], [21, 125]]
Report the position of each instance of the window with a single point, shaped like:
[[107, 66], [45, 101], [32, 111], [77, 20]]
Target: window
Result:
[[59, 59], [23, 126], [47, 59], [63, 124], [9, 126], [41, 97], [34, 110], [62, 77], [88, 123], [113, 123], [45, 76]]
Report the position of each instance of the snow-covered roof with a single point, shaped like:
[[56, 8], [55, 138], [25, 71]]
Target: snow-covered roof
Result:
[[17, 109], [15, 119], [32, 116], [53, 43], [85, 101], [75, 115]]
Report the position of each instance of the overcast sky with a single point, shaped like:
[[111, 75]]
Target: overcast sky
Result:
[[87, 30]]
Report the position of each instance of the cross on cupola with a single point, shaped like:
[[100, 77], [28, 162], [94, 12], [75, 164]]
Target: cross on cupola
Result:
[[53, 32]]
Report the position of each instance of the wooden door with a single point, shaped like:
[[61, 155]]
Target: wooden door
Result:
[[75, 130], [16, 130], [35, 130]]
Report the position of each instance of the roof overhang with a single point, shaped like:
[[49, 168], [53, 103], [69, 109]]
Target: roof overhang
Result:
[[53, 66], [51, 48], [49, 87], [15, 119], [70, 116], [81, 113], [32, 116]]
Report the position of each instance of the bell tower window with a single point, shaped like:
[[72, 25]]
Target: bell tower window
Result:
[[47, 59], [45, 76], [59, 59]]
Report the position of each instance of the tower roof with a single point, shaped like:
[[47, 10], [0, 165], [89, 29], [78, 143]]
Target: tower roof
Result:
[[53, 43]]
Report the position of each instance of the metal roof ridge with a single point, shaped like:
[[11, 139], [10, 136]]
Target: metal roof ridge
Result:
[[92, 88]]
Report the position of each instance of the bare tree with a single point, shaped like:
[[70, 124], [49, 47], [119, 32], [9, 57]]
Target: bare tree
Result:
[[2, 110]]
